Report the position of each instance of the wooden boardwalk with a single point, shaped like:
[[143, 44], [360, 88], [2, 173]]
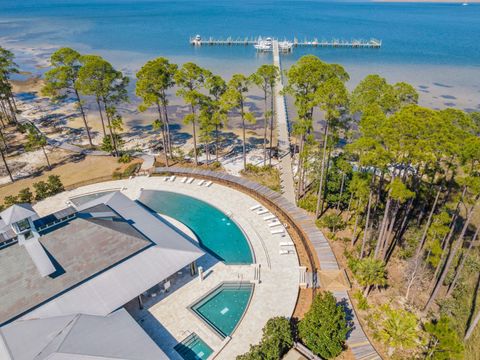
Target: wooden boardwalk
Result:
[[335, 43], [283, 136], [312, 238]]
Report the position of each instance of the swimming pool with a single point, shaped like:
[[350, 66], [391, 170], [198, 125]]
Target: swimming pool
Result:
[[193, 348], [223, 308], [216, 232]]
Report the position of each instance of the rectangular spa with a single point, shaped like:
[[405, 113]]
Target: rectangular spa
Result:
[[193, 348], [223, 308]]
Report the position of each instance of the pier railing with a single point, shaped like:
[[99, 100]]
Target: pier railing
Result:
[[335, 43]]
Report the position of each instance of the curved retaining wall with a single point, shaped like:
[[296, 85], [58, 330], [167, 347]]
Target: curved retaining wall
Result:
[[312, 239]]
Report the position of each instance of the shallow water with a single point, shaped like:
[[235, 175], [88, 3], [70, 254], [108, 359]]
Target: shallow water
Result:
[[437, 43]]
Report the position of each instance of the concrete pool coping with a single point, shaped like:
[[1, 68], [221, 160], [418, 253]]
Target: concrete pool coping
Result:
[[210, 294]]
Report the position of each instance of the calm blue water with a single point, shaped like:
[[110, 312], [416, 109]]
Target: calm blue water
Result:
[[224, 308], [216, 232], [193, 348], [132, 31]]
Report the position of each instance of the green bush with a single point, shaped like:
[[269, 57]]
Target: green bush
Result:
[[362, 300], [55, 185], [443, 340], [42, 190], [332, 222], [276, 340], [10, 200], [368, 272], [308, 202], [125, 158], [398, 329], [107, 143], [25, 196], [324, 328]]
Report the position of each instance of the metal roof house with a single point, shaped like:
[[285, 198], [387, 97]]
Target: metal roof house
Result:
[[83, 262]]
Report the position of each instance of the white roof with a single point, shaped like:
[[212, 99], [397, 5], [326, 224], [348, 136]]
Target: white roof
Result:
[[116, 336], [17, 213], [104, 293]]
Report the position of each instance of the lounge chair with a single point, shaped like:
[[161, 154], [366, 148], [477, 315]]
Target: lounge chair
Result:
[[184, 180], [208, 183], [166, 178], [269, 217], [190, 180], [287, 243], [255, 207], [274, 223], [200, 183], [285, 252], [277, 231], [262, 211], [172, 179]]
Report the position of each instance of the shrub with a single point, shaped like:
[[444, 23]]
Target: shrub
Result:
[[125, 158], [276, 340], [333, 222], [10, 200], [107, 143], [41, 190], [399, 329], [308, 202], [55, 185], [368, 272], [443, 340], [324, 328], [362, 300], [25, 196]]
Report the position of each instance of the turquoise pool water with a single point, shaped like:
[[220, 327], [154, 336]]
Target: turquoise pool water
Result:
[[217, 233], [223, 308], [193, 348]]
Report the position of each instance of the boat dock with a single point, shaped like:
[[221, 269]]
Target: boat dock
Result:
[[285, 45]]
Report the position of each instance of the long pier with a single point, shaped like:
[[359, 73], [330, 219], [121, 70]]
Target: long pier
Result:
[[335, 43]]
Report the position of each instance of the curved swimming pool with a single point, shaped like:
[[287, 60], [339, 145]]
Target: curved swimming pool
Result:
[[216, 232]]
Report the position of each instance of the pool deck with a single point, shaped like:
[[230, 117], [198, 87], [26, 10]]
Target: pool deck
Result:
[[167, 317]]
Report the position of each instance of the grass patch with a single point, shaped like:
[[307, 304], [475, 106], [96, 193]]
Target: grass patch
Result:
[[268, 176]]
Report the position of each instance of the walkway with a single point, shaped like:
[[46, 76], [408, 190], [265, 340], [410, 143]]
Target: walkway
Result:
[[286, 172], [304, 224]]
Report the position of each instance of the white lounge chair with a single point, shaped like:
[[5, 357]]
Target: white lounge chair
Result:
[[167, 178], [255, 207], [277, 231], [184, 180], [262, 211], [208, 183], [287, 243], [200, 183], [285, 252], [269, 217], [274, 223], [172, 179], [190, 180]]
